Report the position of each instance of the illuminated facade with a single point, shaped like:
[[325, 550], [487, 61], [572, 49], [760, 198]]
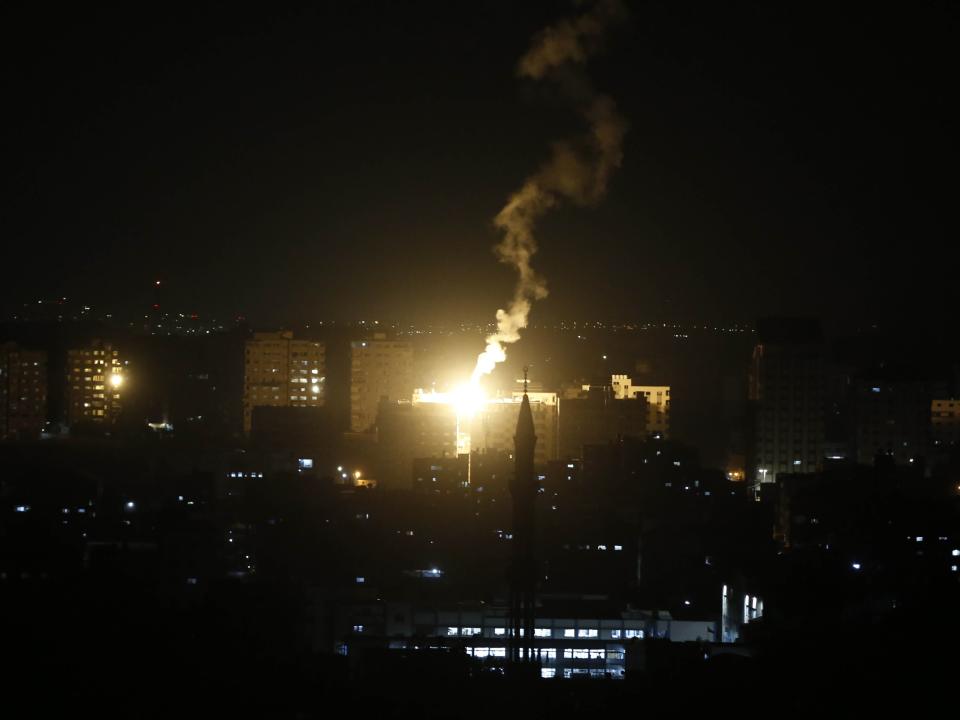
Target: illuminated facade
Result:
[[23, 392], [96, 376], [657, 397], [494, 427], [282, 372], [586, 646], [491, 423], [379, 369]]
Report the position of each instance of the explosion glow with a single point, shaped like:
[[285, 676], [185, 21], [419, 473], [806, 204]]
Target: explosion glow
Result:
[[467, 399]]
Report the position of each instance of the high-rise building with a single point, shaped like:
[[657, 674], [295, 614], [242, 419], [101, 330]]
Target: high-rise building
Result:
[[380, 369], [282, 372], [96, 375], [23, 392], [657, 397], [786, 392]]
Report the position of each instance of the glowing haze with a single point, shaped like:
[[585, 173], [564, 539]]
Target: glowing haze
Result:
[[577, 170]]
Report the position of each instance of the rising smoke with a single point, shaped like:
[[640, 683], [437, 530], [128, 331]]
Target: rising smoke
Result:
[[577, 170]]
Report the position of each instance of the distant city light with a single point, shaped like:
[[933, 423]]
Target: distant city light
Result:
[[855, 566], [131, 505]]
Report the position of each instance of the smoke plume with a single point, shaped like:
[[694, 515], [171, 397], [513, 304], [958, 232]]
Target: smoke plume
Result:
[[577, 171]]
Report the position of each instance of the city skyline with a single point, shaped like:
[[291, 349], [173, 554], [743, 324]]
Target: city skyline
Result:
[[593, 357]]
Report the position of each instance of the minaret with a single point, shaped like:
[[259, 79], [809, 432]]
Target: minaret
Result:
[[523, 567]]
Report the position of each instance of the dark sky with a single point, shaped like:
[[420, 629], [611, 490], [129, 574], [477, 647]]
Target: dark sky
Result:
[[346, 160]]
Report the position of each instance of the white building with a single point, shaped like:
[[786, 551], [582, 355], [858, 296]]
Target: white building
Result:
[[657, 397]]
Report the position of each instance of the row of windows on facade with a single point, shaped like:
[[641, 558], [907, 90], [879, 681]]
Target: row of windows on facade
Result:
[[254, 387], [548, 654], [575, 633]]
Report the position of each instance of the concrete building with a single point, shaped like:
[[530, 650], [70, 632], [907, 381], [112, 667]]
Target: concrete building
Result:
[[282, 372], [23, 392], [440, 475], [891, 418], [786, 394], [379, 369], [945, 422], [657, 397], [408, 430], [96, 378], [424, 427], [593, 416], [575, 644], [494, 427]]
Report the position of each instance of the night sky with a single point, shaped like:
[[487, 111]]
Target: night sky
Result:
[[345, 161]]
